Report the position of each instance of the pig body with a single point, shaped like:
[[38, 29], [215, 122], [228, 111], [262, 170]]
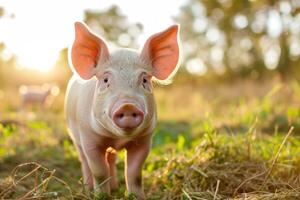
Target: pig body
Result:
[[114, 108]]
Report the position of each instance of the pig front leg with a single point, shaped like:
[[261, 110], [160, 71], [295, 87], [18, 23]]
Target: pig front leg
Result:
[[135, 158], [111, 158], [86, 172], [98, 165]]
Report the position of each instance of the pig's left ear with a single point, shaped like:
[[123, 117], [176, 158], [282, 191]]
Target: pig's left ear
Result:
[[87, 51], [162, 50]]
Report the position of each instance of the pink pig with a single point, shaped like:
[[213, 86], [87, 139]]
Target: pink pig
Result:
[[113, 108]]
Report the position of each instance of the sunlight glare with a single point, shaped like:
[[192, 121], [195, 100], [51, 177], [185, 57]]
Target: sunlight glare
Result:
[[38, 60]]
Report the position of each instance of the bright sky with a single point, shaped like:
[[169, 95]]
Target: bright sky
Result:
[[41, 28]]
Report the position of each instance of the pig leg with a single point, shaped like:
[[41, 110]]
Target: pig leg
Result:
[[111, 158], [135, 158], [98, 165], [87, 175]]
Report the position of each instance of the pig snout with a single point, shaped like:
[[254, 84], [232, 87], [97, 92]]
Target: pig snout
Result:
[[128, 116]]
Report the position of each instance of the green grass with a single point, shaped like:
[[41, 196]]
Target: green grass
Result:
[[229, 141]]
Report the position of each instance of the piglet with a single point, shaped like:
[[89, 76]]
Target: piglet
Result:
[[110, 105]]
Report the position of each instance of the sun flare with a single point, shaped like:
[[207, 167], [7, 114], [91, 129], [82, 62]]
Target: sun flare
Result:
[[37, 60]]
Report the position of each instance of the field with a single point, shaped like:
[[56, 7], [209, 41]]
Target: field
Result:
[[237, 140]]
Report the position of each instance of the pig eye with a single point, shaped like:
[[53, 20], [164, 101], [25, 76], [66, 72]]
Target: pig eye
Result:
[[104, 82], [145, 82]]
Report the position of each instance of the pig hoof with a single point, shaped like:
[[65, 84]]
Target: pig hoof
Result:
[[131, 196], [88, 186], [101, 196], [114, 184]]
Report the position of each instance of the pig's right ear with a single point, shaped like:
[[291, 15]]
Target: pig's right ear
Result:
[[87, 51]]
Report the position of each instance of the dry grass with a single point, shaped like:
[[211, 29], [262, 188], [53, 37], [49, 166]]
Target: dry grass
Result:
[[198, 176], [195, 174]]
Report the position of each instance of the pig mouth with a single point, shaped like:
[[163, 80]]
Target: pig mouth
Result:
[[127, 115]]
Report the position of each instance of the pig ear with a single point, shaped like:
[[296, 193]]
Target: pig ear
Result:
[[87, 51], [162, 50]]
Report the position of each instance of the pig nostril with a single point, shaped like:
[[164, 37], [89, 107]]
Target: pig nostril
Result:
[[121, 115], [134, 115]]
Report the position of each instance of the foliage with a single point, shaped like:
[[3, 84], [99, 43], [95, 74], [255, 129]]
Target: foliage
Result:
[[114, 26], [241, 37]]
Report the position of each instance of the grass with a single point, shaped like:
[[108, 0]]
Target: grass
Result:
[[232, 141]]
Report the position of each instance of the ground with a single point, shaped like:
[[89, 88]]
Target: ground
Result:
[[237, 140]]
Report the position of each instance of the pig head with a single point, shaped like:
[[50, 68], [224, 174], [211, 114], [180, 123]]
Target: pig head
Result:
[[110, 104]]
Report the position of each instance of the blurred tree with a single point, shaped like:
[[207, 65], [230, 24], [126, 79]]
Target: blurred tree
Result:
[[114, 26], [61, 71], [241, 36], [1, 64], [7, 60], [7, 66], [2, 47], [1, 11]]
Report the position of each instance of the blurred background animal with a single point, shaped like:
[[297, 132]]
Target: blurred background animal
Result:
[[38, 95]]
